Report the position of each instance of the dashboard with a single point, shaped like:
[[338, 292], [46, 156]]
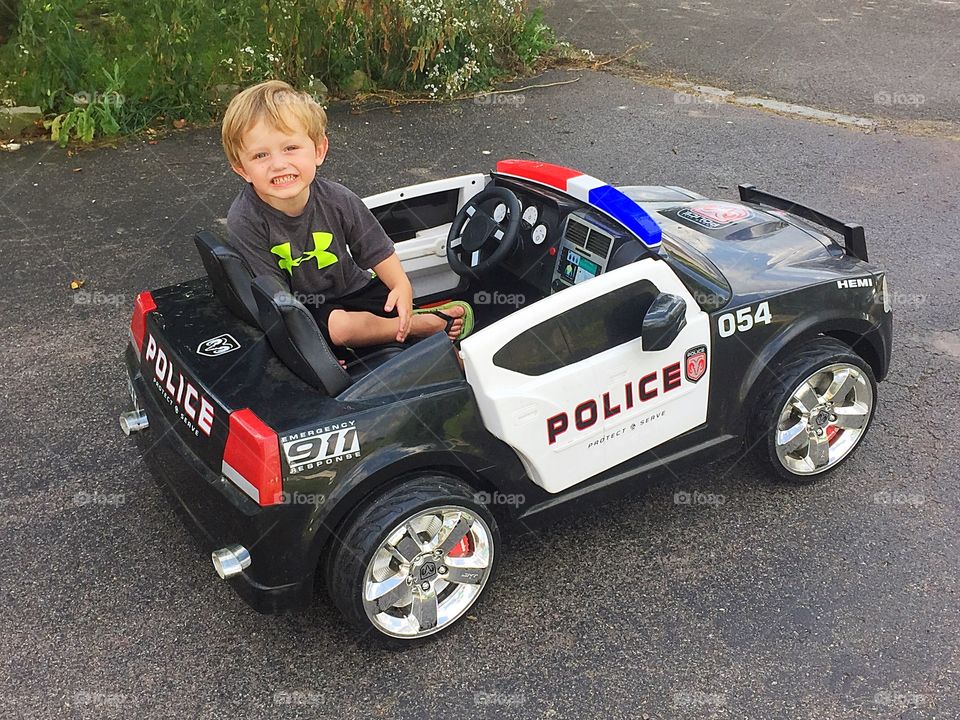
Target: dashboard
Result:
[[561, 242]]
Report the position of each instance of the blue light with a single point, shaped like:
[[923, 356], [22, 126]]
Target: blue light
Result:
[[624, 210]]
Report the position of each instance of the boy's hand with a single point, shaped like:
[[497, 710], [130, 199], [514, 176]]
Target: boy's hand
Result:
[[401, 297]]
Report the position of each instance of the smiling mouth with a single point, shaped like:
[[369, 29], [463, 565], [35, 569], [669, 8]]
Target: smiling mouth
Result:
[[284, 180]]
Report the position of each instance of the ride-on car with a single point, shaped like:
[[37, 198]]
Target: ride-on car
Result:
[[619, 331]]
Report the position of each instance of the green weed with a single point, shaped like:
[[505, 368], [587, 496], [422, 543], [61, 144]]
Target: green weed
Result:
[[183, 58]]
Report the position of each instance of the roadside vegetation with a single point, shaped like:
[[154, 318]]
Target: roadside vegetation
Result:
[[116, 67]]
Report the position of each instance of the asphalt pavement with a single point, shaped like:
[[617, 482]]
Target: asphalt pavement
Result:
[[838, 600], [896, 59]]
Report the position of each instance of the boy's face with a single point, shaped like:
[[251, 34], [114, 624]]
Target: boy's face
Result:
[[280, 166]]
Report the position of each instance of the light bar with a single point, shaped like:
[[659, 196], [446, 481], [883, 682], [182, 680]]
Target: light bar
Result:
[[596, 193]]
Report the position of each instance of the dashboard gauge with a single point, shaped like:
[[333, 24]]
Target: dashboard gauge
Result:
[[500, 212], [530, 215], [539, 234]]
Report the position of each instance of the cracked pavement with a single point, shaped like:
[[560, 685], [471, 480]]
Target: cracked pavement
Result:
[[835, 600]]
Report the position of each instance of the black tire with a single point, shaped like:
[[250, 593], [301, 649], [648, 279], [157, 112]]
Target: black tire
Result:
[[365, 533], [786, 380]]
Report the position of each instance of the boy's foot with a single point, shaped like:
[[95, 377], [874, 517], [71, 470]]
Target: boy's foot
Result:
[[428, 323]]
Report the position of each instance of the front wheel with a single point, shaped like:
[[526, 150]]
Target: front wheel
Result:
[[415, 559], [816, 411]]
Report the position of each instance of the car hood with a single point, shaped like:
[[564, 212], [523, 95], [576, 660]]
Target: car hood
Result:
[[759, 251]]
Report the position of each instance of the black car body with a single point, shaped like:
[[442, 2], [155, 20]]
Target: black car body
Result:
[[602, 355]]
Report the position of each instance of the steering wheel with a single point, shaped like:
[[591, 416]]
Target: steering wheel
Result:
[[464, 245]]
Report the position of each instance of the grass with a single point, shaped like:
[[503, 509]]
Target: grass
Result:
[[114, 67]]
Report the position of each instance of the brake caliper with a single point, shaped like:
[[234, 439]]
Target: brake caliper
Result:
[[462, 548]]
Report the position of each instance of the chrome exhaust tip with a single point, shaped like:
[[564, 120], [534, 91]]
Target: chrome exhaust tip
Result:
[[133, 421], [231, 560]]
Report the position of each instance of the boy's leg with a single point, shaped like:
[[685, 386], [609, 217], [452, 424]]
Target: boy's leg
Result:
[[351, 328], [373, 297]]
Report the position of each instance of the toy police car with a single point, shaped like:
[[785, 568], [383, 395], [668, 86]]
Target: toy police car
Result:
[[620, 331]]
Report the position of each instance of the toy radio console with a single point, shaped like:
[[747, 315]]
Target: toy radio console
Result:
[[583, 253]]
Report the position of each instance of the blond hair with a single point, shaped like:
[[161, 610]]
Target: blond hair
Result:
[[279, 106]]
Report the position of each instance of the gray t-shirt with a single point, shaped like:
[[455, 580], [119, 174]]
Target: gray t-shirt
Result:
[[309, 252]]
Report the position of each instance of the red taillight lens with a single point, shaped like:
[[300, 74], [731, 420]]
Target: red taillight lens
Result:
[[251, 458], [138, 323]]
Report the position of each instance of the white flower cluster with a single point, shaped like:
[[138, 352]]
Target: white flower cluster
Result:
[[443, 83], [426, 12]]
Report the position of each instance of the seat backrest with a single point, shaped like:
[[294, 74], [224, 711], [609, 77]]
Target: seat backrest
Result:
[[230, 276], [295, 337]]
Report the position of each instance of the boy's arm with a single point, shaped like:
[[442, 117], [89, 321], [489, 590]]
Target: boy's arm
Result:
[[401, 292], [372, 248]]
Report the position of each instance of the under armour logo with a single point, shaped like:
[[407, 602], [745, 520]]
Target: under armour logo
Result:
[[324, 258]]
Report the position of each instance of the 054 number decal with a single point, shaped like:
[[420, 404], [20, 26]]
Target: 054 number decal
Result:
[[743, 319]]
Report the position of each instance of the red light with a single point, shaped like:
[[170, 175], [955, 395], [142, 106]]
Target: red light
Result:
[[138, 323], [541, 172], [253, 453], [552, 251]]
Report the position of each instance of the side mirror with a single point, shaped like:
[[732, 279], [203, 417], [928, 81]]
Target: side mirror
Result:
[[664, 320]]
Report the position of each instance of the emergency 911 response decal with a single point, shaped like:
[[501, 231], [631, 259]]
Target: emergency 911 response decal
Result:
[[321, 446]]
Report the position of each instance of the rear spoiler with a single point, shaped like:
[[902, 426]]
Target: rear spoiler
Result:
[[854, 241]]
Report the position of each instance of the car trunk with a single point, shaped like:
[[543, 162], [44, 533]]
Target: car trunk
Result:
[[217, 381]]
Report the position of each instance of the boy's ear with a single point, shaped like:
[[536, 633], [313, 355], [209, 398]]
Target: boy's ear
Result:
[[322, 148], [239, 171]]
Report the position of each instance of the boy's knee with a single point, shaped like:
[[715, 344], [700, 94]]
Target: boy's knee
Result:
[[338, 327]]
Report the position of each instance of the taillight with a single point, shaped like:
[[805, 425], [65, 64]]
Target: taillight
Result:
[[251, 458], [138, 323]]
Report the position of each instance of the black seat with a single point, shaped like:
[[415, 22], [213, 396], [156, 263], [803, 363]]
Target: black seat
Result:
[[295, 337], [230, 276]]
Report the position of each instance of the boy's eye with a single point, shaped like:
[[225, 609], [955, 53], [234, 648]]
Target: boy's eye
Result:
[[259, 155], [292, 147]]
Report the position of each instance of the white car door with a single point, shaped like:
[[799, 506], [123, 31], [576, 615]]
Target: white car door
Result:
[[417, 218], [567, 384]]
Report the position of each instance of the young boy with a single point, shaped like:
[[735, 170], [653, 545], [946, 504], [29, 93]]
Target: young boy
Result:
[[290, 223]]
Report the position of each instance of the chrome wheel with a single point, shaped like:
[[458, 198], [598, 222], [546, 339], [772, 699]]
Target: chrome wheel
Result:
[[428, 572], [824, 419]]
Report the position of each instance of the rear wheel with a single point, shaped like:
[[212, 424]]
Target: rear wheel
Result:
[[415, 559], [816, 411]]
